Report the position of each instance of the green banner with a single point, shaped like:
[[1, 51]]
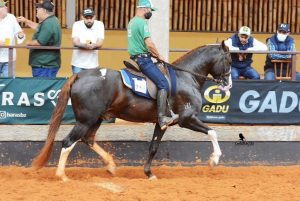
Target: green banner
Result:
[[30, 100]]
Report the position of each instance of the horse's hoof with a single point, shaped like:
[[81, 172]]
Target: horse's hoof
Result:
[[153, 178], [61, 175], [214, 160], [64, 178], [111, 169], [211, 163]]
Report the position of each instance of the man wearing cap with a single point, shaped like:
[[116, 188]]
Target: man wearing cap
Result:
[[87, 34], [10, 29], [141, 48], [280, 41], [44, 63], [241, 63]]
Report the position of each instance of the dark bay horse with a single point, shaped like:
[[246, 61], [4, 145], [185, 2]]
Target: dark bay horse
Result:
[[97, 95]]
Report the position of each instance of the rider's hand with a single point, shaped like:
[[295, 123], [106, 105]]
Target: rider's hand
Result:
[[160, 58]]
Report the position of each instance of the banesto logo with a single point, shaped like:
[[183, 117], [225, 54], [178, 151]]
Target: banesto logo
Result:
[[2, 114], [214, 95]]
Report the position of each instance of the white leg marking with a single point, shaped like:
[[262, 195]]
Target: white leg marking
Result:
[[103, 72], [108, 159], [60, 172], [215, 156]]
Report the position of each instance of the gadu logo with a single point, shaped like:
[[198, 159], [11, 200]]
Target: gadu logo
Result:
[[214, 95], [216, 99]]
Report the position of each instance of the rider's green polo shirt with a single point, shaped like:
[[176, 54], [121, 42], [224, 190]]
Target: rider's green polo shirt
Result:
[[138, 31], [48, 33]]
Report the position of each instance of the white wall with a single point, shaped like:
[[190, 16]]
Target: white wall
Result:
[[159, 26]]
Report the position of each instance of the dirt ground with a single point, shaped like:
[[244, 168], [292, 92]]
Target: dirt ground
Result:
[[174, 183]]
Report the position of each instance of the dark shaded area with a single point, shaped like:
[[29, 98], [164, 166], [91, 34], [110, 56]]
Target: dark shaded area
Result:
[[134, 153]]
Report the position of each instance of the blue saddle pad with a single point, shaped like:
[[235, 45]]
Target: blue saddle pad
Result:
[[139, 84]]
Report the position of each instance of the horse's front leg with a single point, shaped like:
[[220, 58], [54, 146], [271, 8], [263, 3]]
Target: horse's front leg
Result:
[[190, 120], [155, 142]]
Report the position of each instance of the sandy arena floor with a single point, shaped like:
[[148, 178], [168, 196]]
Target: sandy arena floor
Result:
[[174, 183]]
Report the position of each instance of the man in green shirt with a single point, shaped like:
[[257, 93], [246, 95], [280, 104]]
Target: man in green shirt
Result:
[[44, 63], [141, 48]]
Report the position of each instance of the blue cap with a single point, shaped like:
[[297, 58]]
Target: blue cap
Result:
[[146, 4], [283, 27]]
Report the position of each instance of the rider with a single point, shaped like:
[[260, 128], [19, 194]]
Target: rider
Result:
[[141, 48]]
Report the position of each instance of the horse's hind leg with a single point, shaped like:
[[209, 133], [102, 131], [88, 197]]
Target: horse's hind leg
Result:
[[155, 142], [68, 144], [192, 122], [90, 140]]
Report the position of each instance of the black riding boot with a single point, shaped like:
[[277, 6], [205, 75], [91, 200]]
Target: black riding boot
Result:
[[163, 120]]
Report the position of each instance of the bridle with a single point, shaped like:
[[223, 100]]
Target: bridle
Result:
[[206, 78]]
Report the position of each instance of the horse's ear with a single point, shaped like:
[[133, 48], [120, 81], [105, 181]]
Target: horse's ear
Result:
[[224, 47]]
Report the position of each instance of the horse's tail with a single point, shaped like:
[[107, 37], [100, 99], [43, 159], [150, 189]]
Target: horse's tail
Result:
[[40, 160]]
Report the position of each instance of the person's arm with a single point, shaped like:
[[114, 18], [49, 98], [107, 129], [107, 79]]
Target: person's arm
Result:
[[271, 47], [33, 43], [257, 45], [228, 43], [27, 22], [152, 48], [100, 39], [98, 44], [77, 43], [18, 32]]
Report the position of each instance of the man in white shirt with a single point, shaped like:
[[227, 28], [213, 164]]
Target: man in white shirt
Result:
[[87, 35], [241, 63], [10, 29]]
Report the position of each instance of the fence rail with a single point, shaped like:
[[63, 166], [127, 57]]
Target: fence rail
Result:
[[11, 47]]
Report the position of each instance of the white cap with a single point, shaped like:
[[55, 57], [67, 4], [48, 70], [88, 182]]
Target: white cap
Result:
[[245, 30]]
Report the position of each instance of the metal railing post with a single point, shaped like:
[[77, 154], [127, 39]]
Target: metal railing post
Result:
[[11, 70], [294, 66]]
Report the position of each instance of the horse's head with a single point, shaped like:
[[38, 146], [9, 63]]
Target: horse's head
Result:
[[221, 69], [210, 59]]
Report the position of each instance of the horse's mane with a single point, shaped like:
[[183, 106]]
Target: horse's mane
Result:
[[191, 52]]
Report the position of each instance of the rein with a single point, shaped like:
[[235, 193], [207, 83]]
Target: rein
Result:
[[195, 74]]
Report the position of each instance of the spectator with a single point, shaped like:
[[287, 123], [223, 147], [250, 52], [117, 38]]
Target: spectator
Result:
[[44, 63], [10, 29], [141, 48], [280, 41], [241, 63], [87, 34]]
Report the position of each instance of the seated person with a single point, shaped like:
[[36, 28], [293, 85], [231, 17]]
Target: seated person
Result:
[[280, 41], [241, 63]]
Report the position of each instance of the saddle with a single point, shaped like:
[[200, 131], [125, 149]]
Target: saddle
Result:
[[134, 68], [140, 84]]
